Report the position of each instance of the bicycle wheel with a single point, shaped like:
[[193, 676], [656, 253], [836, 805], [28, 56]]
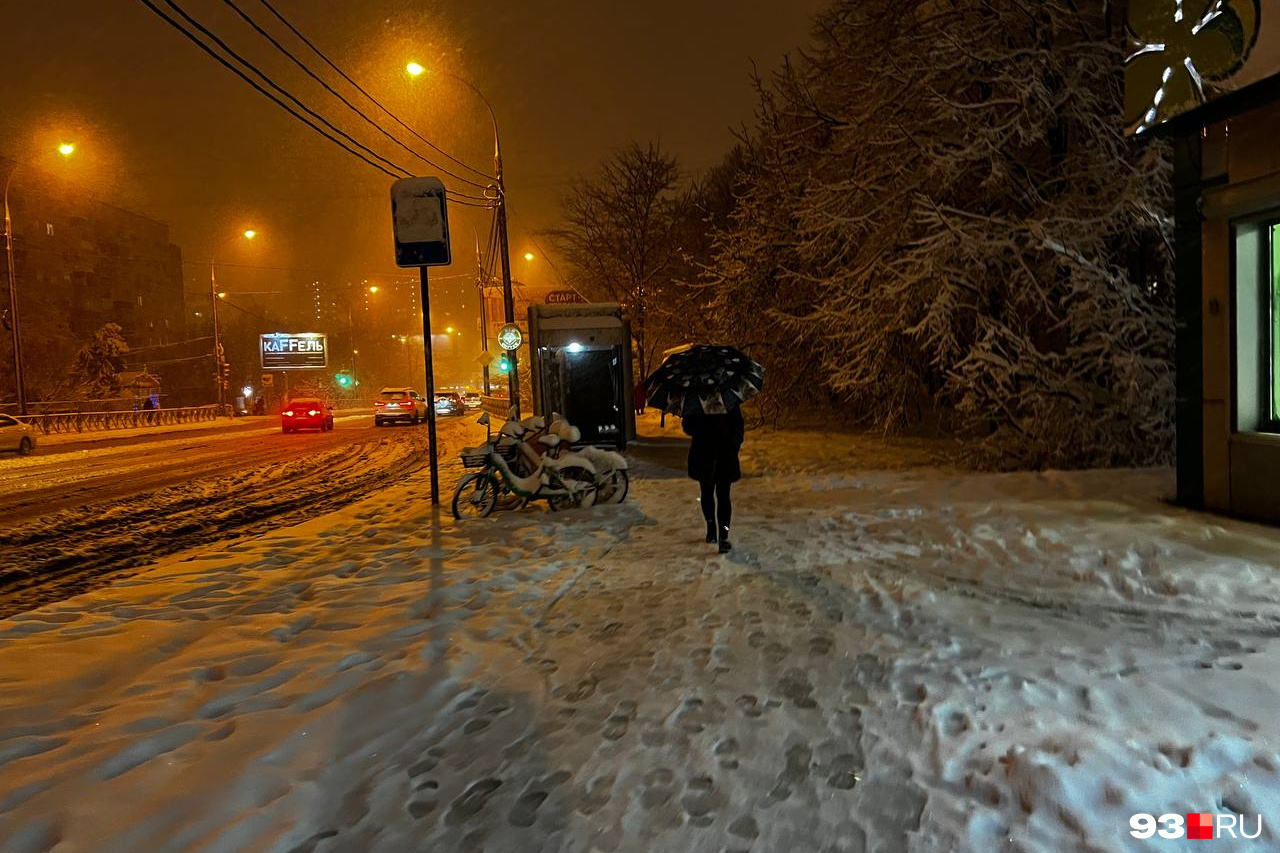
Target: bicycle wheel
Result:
[[612, 488], [475, 497], [583, 484]]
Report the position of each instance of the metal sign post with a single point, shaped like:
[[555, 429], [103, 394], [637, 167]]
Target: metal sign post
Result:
[[420, 220]]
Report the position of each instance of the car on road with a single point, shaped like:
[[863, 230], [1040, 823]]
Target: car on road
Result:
[[449, 403], [306, 413], [16, 435], [399, 404], [472, 400]]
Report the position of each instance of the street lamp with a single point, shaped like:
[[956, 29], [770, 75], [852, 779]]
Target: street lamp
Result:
[[508, 299], [528, 256], [66, 149], [220, 366]]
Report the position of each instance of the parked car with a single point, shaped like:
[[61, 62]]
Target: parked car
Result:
[[399, 404], [16, 435], [449, 403], [306, 413], [472, 400]]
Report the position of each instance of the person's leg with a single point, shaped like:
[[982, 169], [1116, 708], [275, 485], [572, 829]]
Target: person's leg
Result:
[[708, 501], [724, 513]]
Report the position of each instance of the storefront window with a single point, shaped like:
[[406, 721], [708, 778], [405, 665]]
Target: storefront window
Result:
[[1272, 354]]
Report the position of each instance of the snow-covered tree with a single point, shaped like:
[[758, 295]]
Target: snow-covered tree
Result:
[[942, 207], [101, 361]]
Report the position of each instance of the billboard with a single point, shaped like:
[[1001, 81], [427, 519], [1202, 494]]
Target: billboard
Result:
[[1186, 53], [289, 351]]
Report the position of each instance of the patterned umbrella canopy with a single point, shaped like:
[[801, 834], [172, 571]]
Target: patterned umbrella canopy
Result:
[[704, 379]]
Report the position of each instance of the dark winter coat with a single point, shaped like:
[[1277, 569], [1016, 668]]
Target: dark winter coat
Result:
[[713, 454]]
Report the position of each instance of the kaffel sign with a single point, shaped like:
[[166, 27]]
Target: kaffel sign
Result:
[[294, 351]]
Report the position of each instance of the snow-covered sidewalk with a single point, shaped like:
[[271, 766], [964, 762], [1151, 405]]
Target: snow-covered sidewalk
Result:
[[887, 661]]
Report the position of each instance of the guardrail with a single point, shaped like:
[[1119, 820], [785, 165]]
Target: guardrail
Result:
[[72, 422], [497, 406]]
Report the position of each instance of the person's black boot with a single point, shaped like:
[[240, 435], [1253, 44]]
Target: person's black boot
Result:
[[711, 531], [724, 540]]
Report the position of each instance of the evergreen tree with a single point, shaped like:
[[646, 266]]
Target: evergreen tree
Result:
[[942, 207], [101, 361]]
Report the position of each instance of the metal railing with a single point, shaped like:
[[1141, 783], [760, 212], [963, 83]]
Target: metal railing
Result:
[[73, 422]]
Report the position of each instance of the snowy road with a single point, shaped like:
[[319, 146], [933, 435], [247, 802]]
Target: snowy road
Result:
[[79, 514], [905, 661]]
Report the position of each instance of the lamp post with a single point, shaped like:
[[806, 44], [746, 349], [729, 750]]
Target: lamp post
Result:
[[215, 296], [18, 377], [508, 301], [66, 149]]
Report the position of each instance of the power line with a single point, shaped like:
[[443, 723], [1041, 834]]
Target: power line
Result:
[[222, 44], [174, 344], [248, 19], [211, 52], [547, 256], [362, 91]]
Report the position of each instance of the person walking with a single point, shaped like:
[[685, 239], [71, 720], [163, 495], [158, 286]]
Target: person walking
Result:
[[714, 464]]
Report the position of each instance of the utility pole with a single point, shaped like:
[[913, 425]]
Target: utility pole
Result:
[[508, 301], [18, 376], [218, 351]]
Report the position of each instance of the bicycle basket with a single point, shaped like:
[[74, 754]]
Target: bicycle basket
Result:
[[478, 457]]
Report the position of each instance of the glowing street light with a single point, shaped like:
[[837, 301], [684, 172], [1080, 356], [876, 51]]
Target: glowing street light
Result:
[[449, 329], [373, 289], [528, 256], [13, 322], [221, 369], [414, 69]]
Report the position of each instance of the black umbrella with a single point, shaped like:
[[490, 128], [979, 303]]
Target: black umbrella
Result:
[[704, 379]]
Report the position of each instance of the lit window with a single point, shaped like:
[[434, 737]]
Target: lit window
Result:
[[48, 228], [1273, 348], [1257, 327]]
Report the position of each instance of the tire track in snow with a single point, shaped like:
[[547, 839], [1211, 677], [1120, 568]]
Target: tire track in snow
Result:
[[72, 551]]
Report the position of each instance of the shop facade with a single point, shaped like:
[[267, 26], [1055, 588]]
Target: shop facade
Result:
[[1207, 76]]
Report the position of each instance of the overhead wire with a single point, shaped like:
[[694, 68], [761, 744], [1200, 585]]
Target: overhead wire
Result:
[[280, 17], [248, 19], [222, 44], [277, 101], [547, 256]]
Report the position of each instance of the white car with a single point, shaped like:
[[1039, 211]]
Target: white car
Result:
[[16, 436]]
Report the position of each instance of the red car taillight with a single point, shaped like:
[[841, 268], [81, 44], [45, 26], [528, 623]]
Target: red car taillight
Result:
[[379, 403], [289, 413], [313, 413], [408, 404]]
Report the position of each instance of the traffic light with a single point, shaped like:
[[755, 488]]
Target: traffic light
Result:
[[343, 380], [504, 363]]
